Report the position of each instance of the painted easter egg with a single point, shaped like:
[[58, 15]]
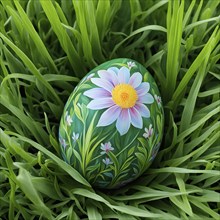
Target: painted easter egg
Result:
[[112, 125]]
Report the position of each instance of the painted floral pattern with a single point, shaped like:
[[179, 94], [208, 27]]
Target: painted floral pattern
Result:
[[112, 124], [75, 136], [124, 95], [131, 64], [107, 147], [68, 119], [107, 161], [148, 131], [158, 100], [89, 77], [63, 142]]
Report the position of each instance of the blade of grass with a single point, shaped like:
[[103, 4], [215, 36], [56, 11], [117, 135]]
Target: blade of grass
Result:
[[34, 36], [191, 99], [174, 36], [63, 37], [213, 41], [32, 68], [25, 183], [147, 28], [66, 167]]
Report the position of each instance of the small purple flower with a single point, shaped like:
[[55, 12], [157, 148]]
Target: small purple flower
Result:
[[68, 119], [106, 148], [149, 132], [131, 64], [158, 99], [63, 142], [107, 161], [75, 136]]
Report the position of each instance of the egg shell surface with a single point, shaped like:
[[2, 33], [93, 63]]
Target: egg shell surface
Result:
[[112, 125]]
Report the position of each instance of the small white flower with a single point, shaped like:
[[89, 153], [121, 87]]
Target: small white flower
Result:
[[75, 136], [90, 76], [63, 142], [158, 99], [68, 119], [149, 132], [131, 64], [106, 148], [107, 161], [87, 78]]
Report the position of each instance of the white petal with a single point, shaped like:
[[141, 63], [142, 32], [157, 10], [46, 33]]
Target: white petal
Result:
[[97, 93], [143, 110], [100, 103], [143, 88], [115, 69], [108, 75], [147, 98], [123, 122], [111, 148], [109, 116], [102, 146], [135, 80], [124, 75], [102, 83], [136, 119], [145, 135]]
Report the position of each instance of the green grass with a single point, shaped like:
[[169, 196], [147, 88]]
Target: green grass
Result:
[[47, 46]]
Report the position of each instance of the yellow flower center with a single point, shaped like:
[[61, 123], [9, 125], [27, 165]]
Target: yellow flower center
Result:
[[124, 95]]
